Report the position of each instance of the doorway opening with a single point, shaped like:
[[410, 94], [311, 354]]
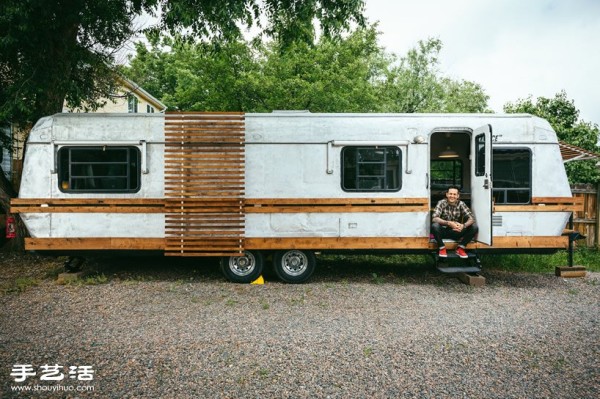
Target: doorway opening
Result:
[[450, 165]]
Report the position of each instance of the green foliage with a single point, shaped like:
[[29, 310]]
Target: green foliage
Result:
[[588, 257], [285, 20], [351, 74], [332, 76], [564, 118], [51, 51], [57, 50]]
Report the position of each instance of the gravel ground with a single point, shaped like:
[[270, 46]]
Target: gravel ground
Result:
[[165, 328]]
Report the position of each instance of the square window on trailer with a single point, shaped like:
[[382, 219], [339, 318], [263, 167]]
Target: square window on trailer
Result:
[[371, 168], [512, 176], [100, 169]]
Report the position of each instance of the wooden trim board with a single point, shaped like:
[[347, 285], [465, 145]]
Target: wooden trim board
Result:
[[314, 243]]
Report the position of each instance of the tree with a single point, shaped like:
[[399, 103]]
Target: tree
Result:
[[350, 74], [564, 118], [334, 74], [416, 85], [52, 51]]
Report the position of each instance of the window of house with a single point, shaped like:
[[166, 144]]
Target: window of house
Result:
[[149, 109], [371, 168], [445, 173], [512, 176], [132, 104], [99, 169]]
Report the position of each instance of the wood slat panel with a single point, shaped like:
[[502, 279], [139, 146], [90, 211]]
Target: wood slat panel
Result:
[[204, 184]]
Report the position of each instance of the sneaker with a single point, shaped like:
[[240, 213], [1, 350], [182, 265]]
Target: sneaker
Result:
[[460, 251], [442, 253]]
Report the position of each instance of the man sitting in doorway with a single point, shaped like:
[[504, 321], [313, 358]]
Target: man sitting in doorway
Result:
[[453, 219]]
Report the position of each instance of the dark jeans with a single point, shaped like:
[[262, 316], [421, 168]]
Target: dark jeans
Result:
[[464, 237]]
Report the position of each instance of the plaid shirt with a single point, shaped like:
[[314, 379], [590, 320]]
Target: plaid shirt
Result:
[[452, 213]]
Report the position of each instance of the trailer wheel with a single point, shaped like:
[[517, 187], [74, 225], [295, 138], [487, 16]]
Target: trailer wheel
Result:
[[294, 266], [243, 269]]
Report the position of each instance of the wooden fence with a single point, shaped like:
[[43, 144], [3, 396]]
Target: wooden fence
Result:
[[587, 221]]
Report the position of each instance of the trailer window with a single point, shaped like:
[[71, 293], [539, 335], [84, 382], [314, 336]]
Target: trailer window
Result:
[[512, 176], [480, 155], [99, 169], [445, 173], [371, 168]]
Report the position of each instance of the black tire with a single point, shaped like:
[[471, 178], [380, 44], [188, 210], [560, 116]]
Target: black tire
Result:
[[243, 269], [294, 266]]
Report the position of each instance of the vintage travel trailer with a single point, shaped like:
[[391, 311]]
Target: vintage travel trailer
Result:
[[284, 185]]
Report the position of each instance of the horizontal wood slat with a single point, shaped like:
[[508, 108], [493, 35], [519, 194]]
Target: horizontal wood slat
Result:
[[545, 204], [313, 243], [94, 243], [342, 205], [87, 205], [335, 201], [204, 184], [398, 243]]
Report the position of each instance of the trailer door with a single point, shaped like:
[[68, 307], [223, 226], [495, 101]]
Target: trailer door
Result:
[[481, 182]]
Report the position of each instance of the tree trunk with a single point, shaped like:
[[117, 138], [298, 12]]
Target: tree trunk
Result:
[[6, 193]]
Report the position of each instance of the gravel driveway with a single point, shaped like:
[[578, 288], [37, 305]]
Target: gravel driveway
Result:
[[164, 328]]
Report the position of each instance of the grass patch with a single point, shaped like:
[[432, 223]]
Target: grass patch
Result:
[[22, 284], [265, 305], [587, 257], [380, 266], [377, 279], [18, 285], [95, 280]]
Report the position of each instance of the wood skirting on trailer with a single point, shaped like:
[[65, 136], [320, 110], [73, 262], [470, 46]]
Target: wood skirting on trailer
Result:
[[312, 243], [517, 242], [400, 243], [94, 243]]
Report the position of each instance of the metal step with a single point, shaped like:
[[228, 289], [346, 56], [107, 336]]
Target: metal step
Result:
[[459, 269]]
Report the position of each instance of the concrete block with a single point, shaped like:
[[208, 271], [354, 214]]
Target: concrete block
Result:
[[474, 280]]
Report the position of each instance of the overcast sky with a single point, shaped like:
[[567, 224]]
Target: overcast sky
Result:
[[513, 48]]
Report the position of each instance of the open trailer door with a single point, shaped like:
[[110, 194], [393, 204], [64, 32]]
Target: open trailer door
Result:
[[481, 182]]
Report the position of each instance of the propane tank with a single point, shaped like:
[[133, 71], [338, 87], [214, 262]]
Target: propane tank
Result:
[[11, 227]]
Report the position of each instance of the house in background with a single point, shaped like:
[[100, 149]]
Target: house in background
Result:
[[129, 98]]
